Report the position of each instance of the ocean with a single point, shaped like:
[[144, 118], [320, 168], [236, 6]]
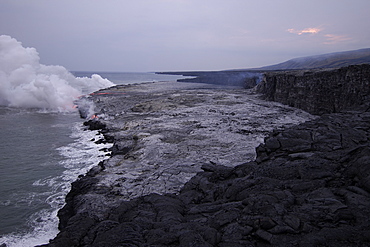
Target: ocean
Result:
[[42, 153]]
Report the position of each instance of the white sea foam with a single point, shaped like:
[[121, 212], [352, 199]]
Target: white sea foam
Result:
[[26, 83], [80, 156]]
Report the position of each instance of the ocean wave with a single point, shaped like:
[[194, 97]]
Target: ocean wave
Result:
[[79, 157]]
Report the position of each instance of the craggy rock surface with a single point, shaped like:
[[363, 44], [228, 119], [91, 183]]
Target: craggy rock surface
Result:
[[319, 91], [162, 134], [308, 186]]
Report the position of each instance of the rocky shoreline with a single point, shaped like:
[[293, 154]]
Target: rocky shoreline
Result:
[[308, 185]]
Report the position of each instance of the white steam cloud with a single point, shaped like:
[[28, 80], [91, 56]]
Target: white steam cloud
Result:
[[24, 82]]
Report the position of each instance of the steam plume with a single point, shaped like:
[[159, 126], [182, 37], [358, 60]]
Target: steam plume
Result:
[[24, 82]]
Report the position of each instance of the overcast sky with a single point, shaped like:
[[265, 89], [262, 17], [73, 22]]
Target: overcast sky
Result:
[[165, 35]]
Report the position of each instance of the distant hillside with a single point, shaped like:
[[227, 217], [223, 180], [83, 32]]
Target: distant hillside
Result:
[[331, 60]]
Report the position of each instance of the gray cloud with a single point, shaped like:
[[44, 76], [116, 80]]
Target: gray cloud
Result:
[[152, 35]]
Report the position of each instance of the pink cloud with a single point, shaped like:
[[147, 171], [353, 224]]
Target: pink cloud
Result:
[[329, 39], [333, 39], [310, 30]]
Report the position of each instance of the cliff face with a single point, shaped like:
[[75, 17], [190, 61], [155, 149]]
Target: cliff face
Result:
[[319, 91]]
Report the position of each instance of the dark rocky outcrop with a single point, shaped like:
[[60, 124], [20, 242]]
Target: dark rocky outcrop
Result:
[[319, 91], [94, 124], [308, 186]]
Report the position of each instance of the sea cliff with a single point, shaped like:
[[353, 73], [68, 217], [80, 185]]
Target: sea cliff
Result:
[[319, 91], [309, 184]]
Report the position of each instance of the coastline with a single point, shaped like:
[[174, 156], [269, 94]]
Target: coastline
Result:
[[271, 200], [171, 131]]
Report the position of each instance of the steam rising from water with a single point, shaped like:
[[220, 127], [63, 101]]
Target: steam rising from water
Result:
[[24, 82]]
